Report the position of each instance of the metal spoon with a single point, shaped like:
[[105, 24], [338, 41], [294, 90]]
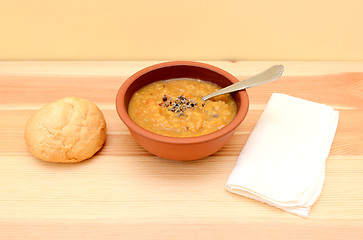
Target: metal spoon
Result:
[[266, 76]]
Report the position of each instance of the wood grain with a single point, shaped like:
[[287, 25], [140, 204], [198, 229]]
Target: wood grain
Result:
[[124, 192]]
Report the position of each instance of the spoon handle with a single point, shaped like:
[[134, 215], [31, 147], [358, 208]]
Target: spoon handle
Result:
[[266, 76]]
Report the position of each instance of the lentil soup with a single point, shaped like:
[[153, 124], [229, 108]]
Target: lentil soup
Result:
[[174, 108]]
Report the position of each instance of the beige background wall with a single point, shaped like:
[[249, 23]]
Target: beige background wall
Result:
[[181, 29]]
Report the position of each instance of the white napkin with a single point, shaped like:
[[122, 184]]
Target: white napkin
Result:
[[283, 160]]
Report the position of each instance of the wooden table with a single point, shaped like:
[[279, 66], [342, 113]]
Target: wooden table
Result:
[[126, 193]]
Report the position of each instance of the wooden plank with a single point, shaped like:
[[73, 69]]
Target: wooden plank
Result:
[[126, 68], [193, 228], [119, 142], [125, 192]]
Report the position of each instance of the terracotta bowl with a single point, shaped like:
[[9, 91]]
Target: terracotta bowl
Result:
[[180, 148]]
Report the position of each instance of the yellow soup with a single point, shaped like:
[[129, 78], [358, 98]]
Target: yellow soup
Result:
[[174, 108]]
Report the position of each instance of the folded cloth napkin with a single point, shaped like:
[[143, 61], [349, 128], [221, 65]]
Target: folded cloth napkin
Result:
[[283, 160]]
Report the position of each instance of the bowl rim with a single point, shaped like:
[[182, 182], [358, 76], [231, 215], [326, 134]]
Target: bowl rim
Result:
[[122, 111]]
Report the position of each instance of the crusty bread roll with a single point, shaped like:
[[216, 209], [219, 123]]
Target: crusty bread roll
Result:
[[67, 131]]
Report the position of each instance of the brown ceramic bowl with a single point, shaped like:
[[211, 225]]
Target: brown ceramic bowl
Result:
[[180, 148]]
